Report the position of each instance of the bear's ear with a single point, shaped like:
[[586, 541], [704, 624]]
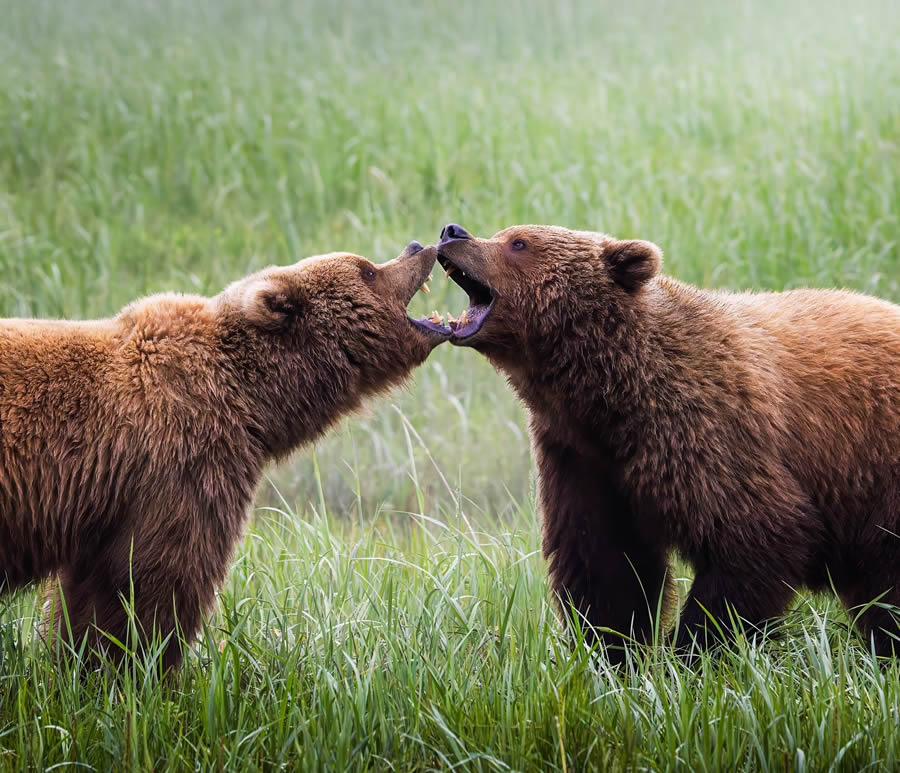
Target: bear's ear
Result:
[[269, 304], [632, 262]]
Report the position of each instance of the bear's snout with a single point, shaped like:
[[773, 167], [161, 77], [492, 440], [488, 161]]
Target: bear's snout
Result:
[[413, 248], [454, 233]]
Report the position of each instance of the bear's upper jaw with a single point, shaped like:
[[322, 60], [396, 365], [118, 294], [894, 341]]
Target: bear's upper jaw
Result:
[[481, 301]]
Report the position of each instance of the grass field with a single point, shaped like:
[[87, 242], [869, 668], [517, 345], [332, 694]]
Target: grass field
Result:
[[389, 609]]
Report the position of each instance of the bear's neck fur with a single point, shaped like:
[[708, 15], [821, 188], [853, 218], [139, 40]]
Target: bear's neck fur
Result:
[[596, 371], [294, 395], [631, 388], [298, 391]]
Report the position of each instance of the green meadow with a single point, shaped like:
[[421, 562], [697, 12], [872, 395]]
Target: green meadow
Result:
[[388, 609]]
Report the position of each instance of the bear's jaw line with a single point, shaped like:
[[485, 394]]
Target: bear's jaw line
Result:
[[426, 325], [481, 302]]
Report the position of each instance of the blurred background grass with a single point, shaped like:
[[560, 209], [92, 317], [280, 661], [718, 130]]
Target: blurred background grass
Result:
[[179, 145], [176, 145]]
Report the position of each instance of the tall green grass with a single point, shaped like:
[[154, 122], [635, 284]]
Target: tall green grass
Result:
[[391, 610], [432, 646]]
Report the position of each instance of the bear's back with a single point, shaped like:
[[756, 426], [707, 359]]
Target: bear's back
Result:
[[51, 374], [817, 372]]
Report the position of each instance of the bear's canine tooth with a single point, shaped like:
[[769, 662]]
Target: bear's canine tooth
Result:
[[463, 318], [425, 288], [449, 270], [436, 318], [429, 278], [451, 319]]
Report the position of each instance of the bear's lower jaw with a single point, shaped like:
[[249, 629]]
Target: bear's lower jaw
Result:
[[431, 328], [481, 302], [470, 322], [457, 330]]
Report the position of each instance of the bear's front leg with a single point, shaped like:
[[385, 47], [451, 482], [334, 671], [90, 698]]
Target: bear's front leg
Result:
[[615, 579]]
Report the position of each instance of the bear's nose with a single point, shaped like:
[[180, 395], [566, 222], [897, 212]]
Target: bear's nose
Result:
[[453, 232], [413, 248]]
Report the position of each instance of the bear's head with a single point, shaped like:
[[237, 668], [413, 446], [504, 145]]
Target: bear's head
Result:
[[317, 337], [533, 287]]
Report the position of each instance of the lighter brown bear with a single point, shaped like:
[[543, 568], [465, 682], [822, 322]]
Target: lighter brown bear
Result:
[[130, 448], [757, 434]]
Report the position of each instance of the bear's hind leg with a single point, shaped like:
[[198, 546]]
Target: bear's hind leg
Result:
[[717, 598], [875, 608], [167, 600]]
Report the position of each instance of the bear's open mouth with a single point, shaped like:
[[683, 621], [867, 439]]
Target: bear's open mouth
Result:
[[481, 301], [433, 324]]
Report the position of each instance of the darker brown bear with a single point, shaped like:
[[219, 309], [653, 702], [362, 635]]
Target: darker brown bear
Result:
[[130, 448], [758, 434]]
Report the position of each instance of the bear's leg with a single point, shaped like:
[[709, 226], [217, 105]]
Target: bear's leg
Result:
[[868, 581], [876, 611], [601, 568], [717, 598], [168, 599], [609, 595], [74, 598]]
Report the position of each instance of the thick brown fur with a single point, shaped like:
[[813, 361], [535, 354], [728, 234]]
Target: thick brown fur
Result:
[[757, 434], [130, 448]]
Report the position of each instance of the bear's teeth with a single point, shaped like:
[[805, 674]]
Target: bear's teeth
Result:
[[449, 270], [451, 319], [463, 319], [436, 318], [425, 288], [429, 278]]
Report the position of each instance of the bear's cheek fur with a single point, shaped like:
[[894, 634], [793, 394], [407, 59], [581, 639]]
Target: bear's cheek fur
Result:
[[507, 334], [542, 309]]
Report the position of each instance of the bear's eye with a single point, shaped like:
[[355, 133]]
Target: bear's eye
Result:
[[518, 245], [368, 273]]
